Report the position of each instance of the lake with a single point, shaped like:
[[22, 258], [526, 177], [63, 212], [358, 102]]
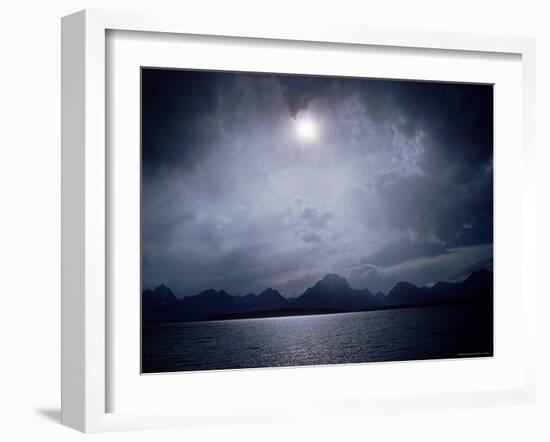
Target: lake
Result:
[[434, 332]]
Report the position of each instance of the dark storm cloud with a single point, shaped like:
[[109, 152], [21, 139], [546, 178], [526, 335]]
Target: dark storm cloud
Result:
[[397, 186], [174, 115], [454, 189], [442, 209]]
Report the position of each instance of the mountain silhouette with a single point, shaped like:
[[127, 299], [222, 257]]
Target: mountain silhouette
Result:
[[334, 292], [159, 305], [329, 295], [269, 299], [405, 293]]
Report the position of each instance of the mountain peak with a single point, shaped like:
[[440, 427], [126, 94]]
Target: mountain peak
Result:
[[162, 290], [333, 277], [333, 291], [333, 280], [402, 285], [213, 294], [270, 293], [161, 294]]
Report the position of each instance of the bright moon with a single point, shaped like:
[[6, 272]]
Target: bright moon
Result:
[[307, 129]]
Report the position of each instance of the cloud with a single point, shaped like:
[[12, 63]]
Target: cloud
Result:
[[308, 219], [404, 249], [308, 236], [454, 264], [401, 174]]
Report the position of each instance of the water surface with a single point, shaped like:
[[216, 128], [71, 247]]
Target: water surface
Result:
[[385, 335]]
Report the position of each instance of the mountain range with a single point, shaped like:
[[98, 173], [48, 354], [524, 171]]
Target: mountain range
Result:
[[329, 295]]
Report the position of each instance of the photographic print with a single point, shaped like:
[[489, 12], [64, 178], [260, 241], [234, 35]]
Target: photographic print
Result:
[[298, 220]]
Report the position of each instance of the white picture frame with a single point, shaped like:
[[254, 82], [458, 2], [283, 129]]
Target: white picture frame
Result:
[[86, 204]]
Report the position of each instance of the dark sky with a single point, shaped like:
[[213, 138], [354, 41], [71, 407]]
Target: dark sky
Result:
[[253, 181]]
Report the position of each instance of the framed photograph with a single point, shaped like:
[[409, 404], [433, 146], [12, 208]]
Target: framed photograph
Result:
[[292, 220], [252, 212]]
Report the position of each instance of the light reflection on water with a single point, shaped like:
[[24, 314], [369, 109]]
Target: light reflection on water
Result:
[[384, 335]]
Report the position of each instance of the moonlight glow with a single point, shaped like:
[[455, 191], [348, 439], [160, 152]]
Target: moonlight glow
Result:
[[307, 129]]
